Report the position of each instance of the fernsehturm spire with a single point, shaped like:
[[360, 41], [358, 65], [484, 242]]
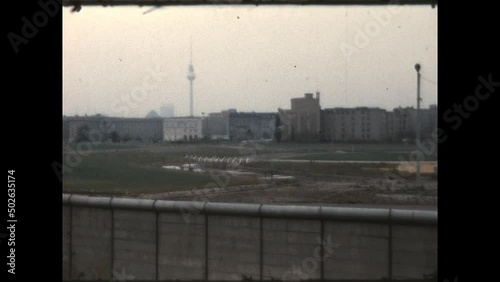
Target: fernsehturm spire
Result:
[[191, 76]]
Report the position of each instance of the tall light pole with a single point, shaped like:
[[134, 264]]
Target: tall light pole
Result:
[[417, 68]]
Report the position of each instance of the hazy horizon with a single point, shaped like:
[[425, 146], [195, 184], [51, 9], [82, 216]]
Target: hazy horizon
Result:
[[246, 57]]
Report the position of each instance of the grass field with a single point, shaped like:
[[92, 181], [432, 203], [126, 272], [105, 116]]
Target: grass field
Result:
[[134, 172], [361, 156], [108, 146], [347, 152], [135, 168]]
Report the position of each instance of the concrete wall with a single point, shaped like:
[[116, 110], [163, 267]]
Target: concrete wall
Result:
[[361, 253], [414, 251], [233, 247], [289, 246], [151, 244], [134, 243], [182, 247], [91, 243], [66, 241]]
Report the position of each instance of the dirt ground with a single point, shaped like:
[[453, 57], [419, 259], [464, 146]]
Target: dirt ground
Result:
[[323, 189]]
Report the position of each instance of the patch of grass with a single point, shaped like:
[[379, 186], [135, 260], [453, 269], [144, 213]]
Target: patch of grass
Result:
[[135, 172], [104, 146], [136, 167], [364, 155], [324, 168]]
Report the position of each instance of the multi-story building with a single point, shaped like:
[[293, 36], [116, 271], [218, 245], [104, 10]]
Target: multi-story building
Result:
[[139, 129], [238, 126], [303, 121], [99, 128], [251, 126], [401, 124], [429, 120], [182, 128], [353, 124], [216, 126]]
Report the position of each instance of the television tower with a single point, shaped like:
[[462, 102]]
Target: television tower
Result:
[[191, 76]]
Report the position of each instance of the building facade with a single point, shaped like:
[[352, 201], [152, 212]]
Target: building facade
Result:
[[306, 121], [303, 121], [239, 126], [429, 121], [99, 128], [251, 126], [216, 126], [359, 124], [402, 124], [139, 129], [182, 129]]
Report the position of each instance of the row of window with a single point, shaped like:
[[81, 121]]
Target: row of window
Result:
[[180, 124], [350, 112], [352, 129], [362, 124], [182, 137], [363, 136], [363, 118], [180, 130]]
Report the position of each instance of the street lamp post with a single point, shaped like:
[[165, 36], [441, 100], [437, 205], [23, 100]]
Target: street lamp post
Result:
[[417, 68]]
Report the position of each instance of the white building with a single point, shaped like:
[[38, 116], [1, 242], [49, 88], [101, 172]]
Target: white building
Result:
[[182, 128]]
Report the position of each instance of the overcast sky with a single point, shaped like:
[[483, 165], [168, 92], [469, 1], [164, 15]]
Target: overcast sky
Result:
[[246, 57]]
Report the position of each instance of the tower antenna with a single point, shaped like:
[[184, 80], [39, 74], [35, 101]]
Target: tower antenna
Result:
[[191, 51], [191, 76]]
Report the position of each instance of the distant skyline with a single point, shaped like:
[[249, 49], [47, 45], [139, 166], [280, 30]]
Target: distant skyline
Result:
[[121, 62]]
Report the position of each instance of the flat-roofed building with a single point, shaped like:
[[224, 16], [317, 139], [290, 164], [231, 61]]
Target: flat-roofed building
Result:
[[182, 128], [361, 124], [251, 126], [216, 126], [303, 121]]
